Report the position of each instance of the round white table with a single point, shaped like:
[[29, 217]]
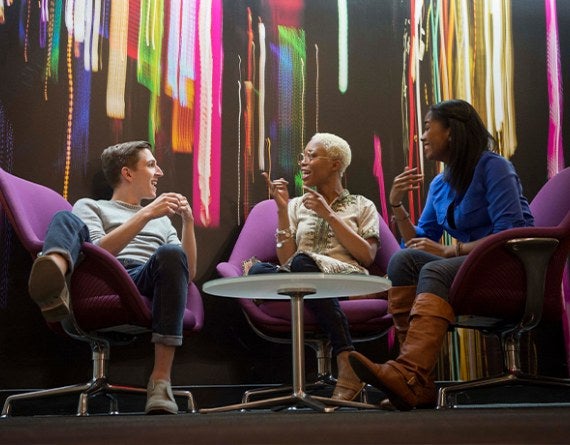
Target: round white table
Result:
[[296, 286]]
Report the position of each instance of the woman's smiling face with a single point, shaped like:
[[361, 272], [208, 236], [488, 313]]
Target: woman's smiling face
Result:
[[435, 139], [316, 165]]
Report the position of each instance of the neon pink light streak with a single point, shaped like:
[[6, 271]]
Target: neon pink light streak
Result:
[[378, 171], [207, 159]]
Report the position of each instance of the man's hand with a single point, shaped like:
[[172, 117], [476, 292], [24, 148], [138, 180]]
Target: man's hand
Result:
[[167, 204]]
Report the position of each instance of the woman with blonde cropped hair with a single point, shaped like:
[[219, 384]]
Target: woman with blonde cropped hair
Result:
[[326, 230]]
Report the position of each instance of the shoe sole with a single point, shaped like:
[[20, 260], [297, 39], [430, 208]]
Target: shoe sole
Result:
[[48, 289]]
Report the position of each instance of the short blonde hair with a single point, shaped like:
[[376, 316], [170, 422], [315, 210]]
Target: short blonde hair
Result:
[[336, 147]]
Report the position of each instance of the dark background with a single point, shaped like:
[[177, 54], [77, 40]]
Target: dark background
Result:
[[226, 351]]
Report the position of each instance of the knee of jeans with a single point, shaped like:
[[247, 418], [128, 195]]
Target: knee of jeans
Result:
[[397, 264], [303, 263], [434, 273], [171, 255]]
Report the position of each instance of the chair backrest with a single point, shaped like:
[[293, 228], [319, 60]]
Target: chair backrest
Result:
[[21, 199], [257, 238], [490, 283], [552, 203], [103, 293]]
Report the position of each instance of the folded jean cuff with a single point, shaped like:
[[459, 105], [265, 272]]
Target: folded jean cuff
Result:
[[168, 340], [64, 253]]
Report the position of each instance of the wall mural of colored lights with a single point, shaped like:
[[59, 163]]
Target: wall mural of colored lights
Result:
[[226, 89], [176, 50]]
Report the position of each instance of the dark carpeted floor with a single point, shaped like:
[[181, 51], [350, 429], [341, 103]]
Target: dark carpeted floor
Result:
[[345, 426]]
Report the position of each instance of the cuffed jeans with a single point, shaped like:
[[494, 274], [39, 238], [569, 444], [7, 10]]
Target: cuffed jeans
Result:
[[327, 311], [429, 273], [163, 278]]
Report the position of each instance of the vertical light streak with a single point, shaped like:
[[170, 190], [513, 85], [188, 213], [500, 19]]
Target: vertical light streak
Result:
[[488, 67], [509, 112], [203, 170], [52, 53], [67, 167], [149, 58], [261, 97], [44, 21], [180, 73], [497, 39], [238, 188], [173, 51], [342, 46], [317, 82], [27, 29], [555, 153], [291, 81], [117, 66], [378, 171], [207, 159], [88, 33], [187, 54], [463, 69], [96, 24], [248, 115]]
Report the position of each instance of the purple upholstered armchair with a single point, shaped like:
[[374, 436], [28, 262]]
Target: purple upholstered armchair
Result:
[[106, 305], [508, 284], [368, 318]]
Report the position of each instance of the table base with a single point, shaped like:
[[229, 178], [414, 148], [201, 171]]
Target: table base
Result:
[[298, 395]]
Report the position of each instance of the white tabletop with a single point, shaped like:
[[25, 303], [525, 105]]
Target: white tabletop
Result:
[[313, 285]]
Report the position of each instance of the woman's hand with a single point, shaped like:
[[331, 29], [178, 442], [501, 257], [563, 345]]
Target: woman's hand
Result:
[[278, 190], [431, 246], [314, 201], [406, 181]]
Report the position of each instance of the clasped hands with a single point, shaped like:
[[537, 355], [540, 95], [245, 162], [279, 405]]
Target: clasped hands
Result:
[[169, 204]]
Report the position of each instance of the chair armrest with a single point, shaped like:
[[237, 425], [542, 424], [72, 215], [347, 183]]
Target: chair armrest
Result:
[[535, 254], [103, 264], [229, 270]]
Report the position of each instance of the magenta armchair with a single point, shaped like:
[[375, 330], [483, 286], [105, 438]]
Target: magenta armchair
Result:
[[507, 285], [106, 305], [368, 318]]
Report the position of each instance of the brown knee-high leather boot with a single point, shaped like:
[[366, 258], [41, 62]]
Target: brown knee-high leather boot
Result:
[[400, 302], [405, 380]]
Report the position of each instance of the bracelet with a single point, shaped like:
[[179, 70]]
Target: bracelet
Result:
[[458, 248], [282, 236], [288, 232], [396, 205], [279, 244]]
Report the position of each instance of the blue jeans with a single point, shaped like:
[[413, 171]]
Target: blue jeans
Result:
[[327, 311], [430, 273], [163, 278]]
